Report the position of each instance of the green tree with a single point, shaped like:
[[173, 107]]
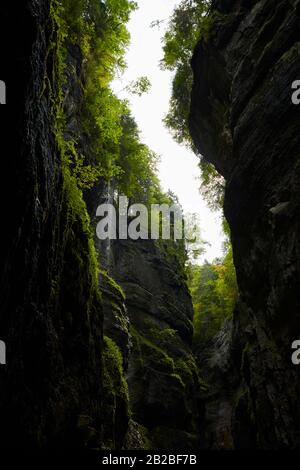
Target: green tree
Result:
[[139, 87], [214, 292], [138, 177], [191, 21], [195, 245]]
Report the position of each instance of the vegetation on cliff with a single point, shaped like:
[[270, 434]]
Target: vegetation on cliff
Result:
[[191, 21], [115, 396], [214, 292], [106, 145], [99, 34], [213, 286], [123, 358]]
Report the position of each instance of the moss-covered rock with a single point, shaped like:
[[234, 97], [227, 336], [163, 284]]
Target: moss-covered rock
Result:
[[162, 375], [116, 321], [115, 397]]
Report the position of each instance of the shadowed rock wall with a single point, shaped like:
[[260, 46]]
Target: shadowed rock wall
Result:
[[243, 121]]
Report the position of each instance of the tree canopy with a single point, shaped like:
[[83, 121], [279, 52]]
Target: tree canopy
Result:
[[191, 21], [214, 291], [107, 143]]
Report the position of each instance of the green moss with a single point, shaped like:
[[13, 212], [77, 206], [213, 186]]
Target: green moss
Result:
[[164, 335], [292, 54], [185, 366], [121, 316], [112, 284], [76, 212], [189, 372], [113, 369], [149, 351], [162, 351], [145, 435], [116, 411], [178, 378]]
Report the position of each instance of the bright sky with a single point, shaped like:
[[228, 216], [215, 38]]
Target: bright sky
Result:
[[178, 169]]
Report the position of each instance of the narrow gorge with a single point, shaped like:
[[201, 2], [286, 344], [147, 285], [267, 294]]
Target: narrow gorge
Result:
[[103, 348]]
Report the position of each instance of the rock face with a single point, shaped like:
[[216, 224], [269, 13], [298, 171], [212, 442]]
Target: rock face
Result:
[[243, 121], [218, 398], [64, 383], [51, 312], [54, 390], [150, 319], [162, 376]]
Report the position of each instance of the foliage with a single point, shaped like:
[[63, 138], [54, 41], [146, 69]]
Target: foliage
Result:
[[139, 87], [107, 143], [98, 30], [138, 179], [194, 243], [214, 291], [76, 212], [115, 394], [212, 185], [113, 369], [107, 128], [189, 22]]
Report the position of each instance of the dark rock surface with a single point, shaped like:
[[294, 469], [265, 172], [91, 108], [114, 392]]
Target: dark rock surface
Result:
[[243, 121], [215, 361], [64, 385], [163, 378], [50, 313]]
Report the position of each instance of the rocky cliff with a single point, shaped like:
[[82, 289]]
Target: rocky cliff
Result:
[[51, 313], [243, 121], [64, 384], [163, 377], [148, 313]]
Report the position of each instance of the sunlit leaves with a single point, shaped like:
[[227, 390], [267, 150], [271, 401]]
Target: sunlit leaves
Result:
[[139, 87], [190, 22], [98, 29], [187, 24], [138, 163], [214, 292]]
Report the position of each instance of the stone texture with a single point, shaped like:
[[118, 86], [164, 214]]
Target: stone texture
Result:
[[162, 375], [50, 314], [243, 121], [55, 391]]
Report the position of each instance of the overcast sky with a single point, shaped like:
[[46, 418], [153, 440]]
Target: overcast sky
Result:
[[178, 170]]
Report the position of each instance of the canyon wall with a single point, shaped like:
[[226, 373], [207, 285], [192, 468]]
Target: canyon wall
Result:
[[163, 377], [51, 312], [64, 383], [243, 121]]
